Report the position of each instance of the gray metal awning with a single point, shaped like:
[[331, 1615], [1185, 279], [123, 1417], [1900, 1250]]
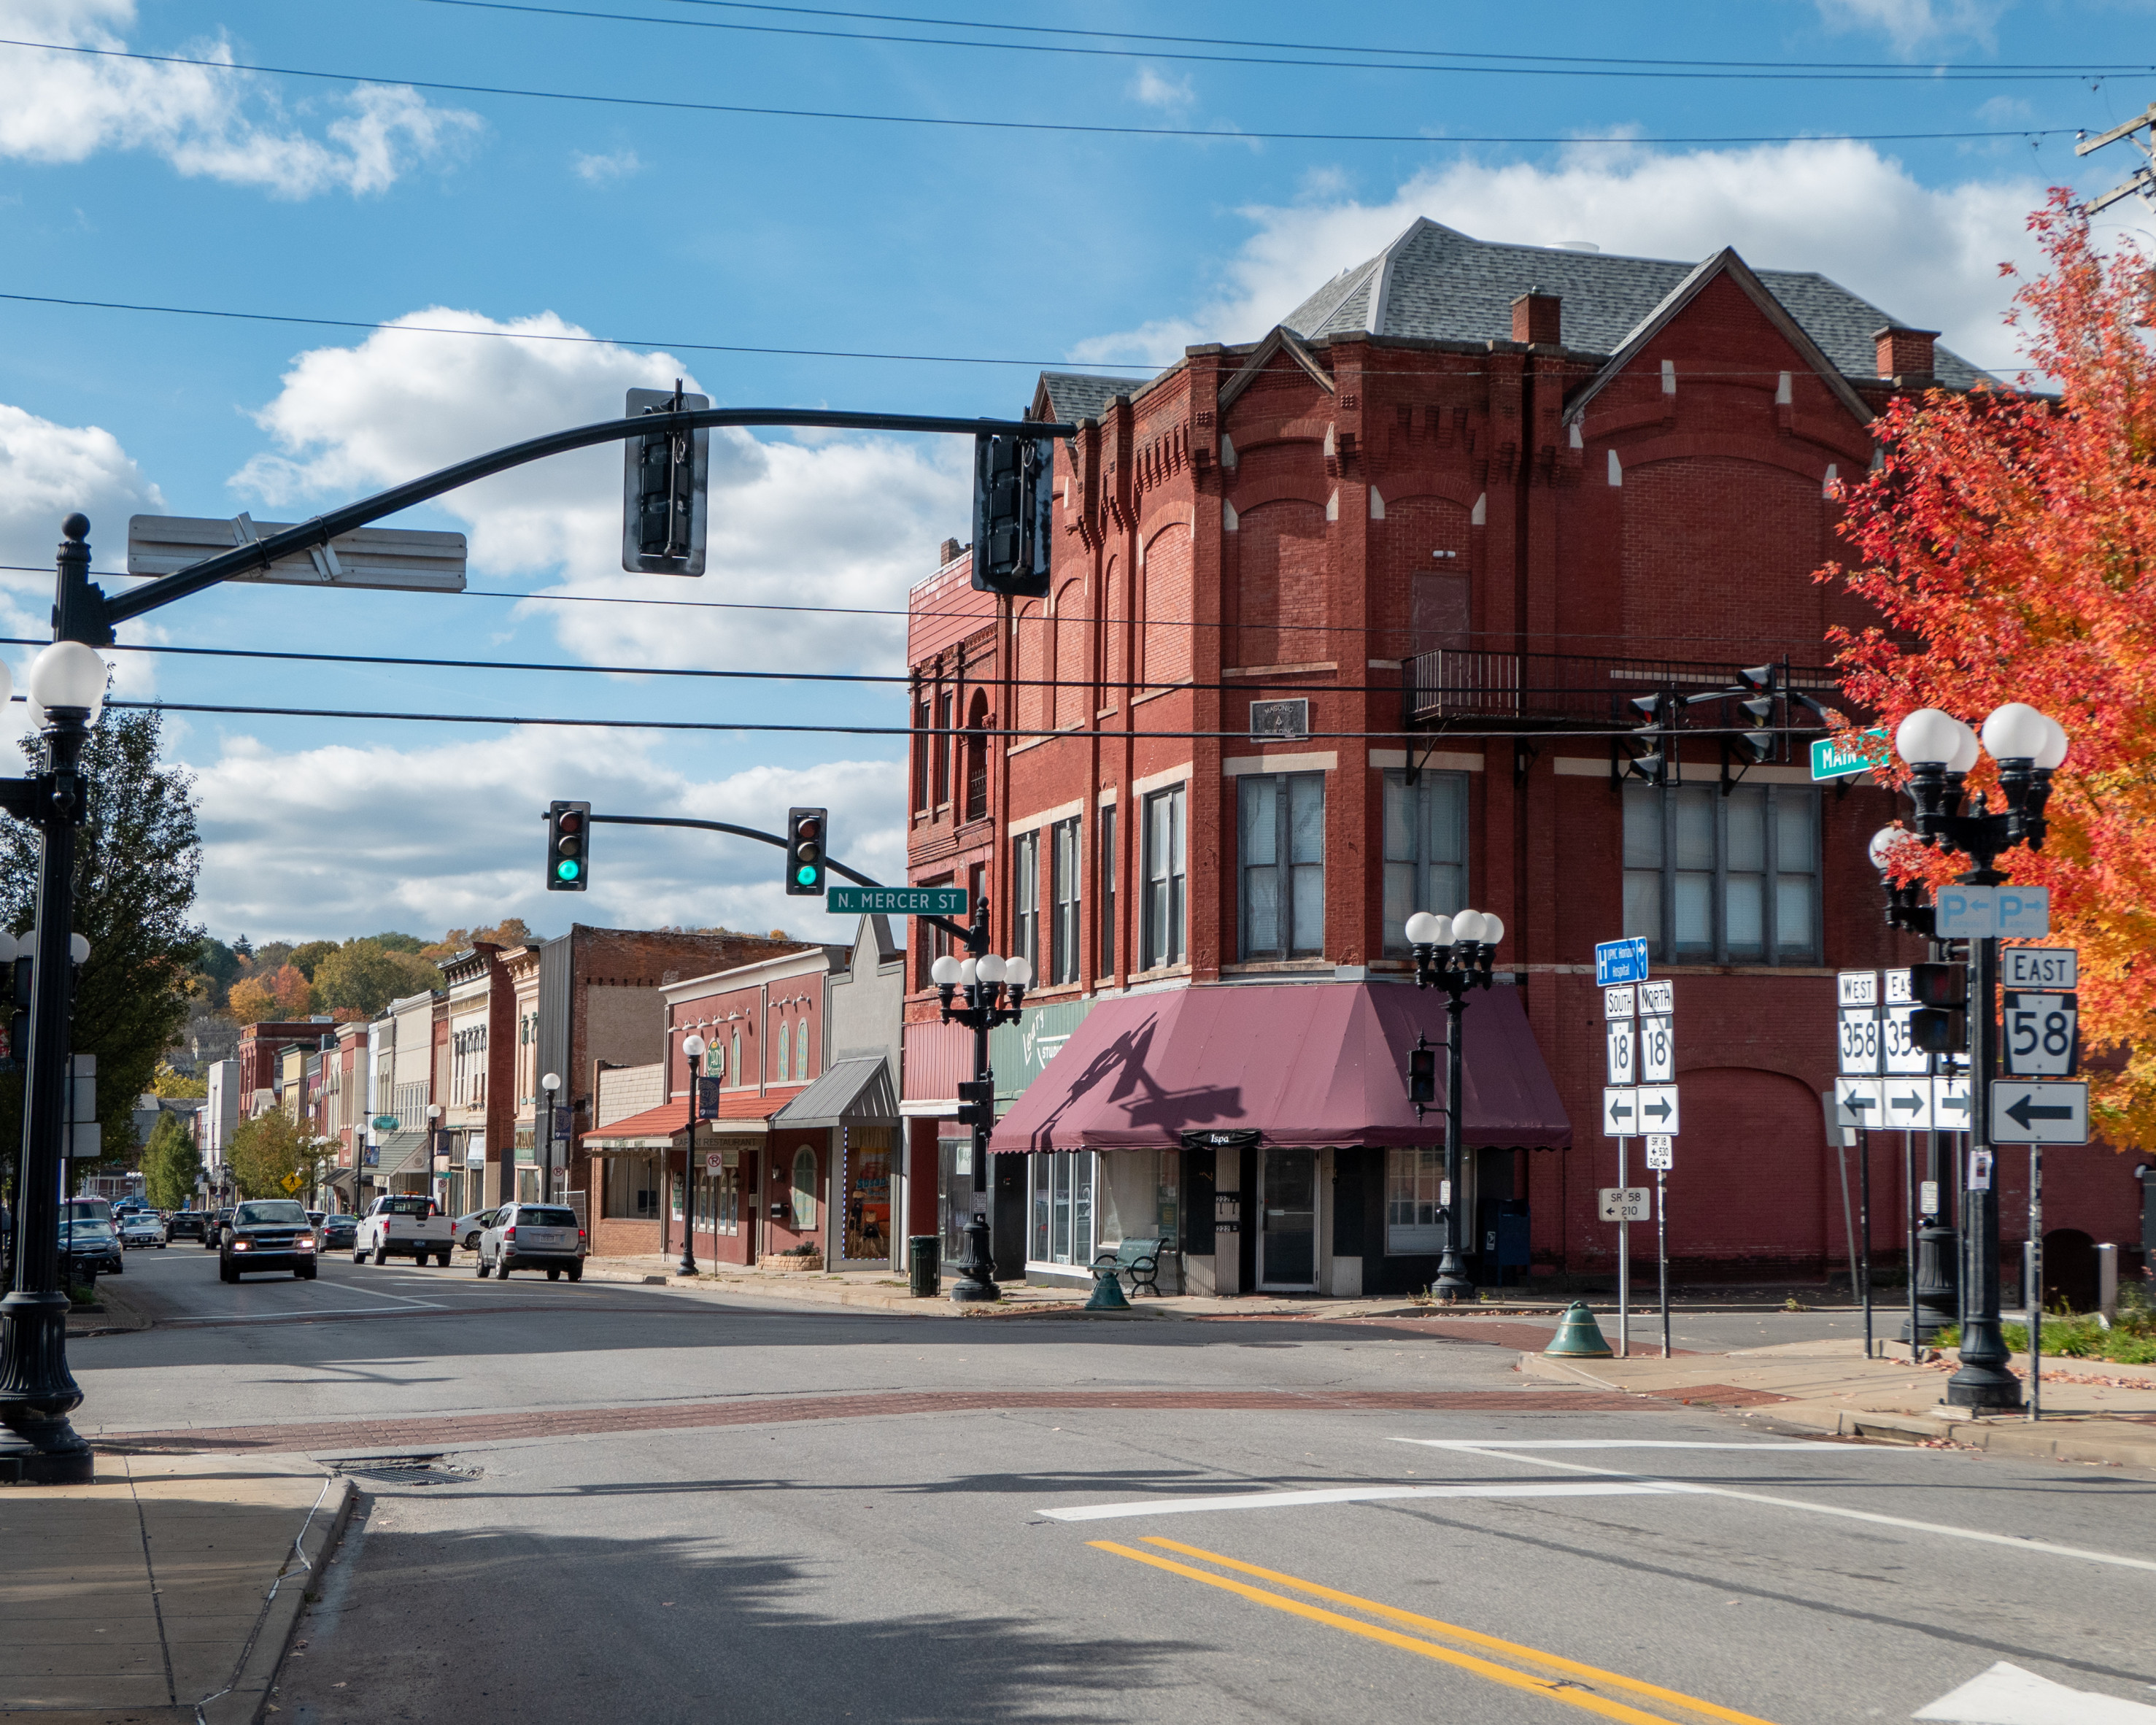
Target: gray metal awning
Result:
[[401, 1153], [852, 1092]]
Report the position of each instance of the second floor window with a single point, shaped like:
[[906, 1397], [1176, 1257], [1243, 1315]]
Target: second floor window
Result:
[[1166, 879], [923, 746], [1282, 843], [1425, 850], [1715, 879], [944, 748], [1025, 899], [1108, 890], [1065, 861]]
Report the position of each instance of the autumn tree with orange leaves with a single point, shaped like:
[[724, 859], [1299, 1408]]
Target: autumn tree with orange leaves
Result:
[[2008, 541]]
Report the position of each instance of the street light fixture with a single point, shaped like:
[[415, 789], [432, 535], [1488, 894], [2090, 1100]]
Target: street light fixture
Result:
[[1939, 750], [994, 987], [438, 1143], [692, 1049], [1453, 953], [548, 1085]]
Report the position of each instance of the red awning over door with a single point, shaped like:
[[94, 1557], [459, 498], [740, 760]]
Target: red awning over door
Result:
[[1302, 1063]]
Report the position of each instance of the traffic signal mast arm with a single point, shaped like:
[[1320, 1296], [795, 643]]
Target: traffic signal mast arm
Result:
[[89, 614], [964, 936]]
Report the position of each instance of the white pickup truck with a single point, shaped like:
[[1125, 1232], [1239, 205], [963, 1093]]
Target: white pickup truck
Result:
[[404, 1224]]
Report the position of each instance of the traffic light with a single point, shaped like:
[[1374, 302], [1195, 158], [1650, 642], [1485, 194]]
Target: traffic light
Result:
[[1013, 514], [1940, 1023], [1651, 747], [666, 478], [1422, 1076], [568, 846], [1756, 747], [976, 1102], [807, 847]]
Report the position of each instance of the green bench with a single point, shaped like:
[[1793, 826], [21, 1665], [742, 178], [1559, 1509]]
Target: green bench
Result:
[[1135, 1260]]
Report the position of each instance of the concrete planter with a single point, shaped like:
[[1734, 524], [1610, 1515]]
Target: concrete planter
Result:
[[790, 1260]]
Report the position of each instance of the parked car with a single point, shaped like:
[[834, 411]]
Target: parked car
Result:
[[214, 1235], [143, 1228], [405, 1225], [188, 1224], [268, 1233], [88, 1244], [338, 1232], [532, 1236], [469, 1227]]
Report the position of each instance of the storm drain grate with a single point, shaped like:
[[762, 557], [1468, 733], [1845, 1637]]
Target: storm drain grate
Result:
[[406, 1471]]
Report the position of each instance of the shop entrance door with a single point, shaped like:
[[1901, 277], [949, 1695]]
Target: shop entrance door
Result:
[[1287, 1238]]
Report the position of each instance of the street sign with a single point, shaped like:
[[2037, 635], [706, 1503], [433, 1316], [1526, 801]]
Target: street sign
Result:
[[1856, 1103], [1897, 1043], [1838, 757], [1620, 1003], [1983, 912], [1620, 1112], [1859, 1040], [406, 558], [1907, 1104], [293, 1183], [2040, 968], [2041, 1037], [1627, 1203], [1658, 998], [1621, 1038], [1856, 987], [2038, 1113], [386, 1122], [1928, 1199], [895, 900], [1658, 1107], [1898, 991], [1658, 1051], [1950, 1104], [1624, 960], [1659, 1149]]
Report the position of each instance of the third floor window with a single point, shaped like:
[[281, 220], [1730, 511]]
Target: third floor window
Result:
[[1715, 879]]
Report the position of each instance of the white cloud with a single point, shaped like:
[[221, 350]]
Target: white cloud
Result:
[[601, 169], [60, 107], [844, 522], [1909, 24], [1927, 254], [1155, 91], [466, 844]]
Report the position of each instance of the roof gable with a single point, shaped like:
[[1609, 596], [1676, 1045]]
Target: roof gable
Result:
[[1282, 340]]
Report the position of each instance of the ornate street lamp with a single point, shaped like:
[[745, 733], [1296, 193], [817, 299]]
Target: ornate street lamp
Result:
[[548, 1085], [1453, 953], [692, 1050], [995, 991], [1939, 750]]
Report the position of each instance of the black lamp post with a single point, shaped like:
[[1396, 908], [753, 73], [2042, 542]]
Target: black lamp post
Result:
[[1940, 750], [692, 1049], [995, 991], [37, 1390], [1453, 953], [547, 1087]]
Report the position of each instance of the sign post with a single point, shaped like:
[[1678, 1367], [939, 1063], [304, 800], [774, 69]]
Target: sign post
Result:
[[1639, 1101], [1660, 1145]]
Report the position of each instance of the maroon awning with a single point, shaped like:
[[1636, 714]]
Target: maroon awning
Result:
[[1301, 1063]]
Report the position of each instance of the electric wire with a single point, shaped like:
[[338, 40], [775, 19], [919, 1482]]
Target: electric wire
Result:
[[956, 122]]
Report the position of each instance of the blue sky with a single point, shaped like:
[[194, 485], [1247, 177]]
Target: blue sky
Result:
[[131, 180]]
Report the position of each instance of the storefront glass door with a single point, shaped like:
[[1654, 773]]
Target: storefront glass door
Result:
[[1287, 1198]]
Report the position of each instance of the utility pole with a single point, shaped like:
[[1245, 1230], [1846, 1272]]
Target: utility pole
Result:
[[2142, 181]]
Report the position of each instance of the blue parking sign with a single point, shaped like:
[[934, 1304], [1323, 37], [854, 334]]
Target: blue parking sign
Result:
[[1621, 962]]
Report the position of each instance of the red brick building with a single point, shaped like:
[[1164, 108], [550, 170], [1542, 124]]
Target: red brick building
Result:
[[1344, 624]]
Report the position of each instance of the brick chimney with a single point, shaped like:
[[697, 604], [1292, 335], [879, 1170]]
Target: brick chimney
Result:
[[1535, 317], [1904, 353], [948, 554]]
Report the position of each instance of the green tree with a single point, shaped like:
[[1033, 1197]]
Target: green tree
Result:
[[268, 1150], [364, 977], [167, 1082], [136, 858], [171, 1164], [392, 942], [307, 956], [218, 966]]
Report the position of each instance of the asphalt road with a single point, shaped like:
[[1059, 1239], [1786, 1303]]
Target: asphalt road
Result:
[[661, 1506]]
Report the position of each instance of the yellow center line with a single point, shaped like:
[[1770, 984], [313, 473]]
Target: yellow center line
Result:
[[1559, 1689]]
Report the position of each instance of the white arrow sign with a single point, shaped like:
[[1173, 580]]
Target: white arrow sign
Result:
[[2038, 1113], [1907, 1102], [1620, 1112], [1658, 1108], [1856, 1103], [1950, 1104]]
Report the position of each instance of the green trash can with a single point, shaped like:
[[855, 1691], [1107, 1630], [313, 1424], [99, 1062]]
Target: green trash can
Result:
[[924, 1252]]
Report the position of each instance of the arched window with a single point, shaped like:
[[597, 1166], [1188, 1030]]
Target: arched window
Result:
[[977, 759], [801, 1051], [737, 1067], [804, 1189], [785, 1052]]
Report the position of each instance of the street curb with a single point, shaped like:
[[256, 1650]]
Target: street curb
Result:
[[121, 1316], [251, 1687]]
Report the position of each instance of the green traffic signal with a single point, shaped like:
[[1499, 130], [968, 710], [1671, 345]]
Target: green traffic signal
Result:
[[567, 869], [806, 874]]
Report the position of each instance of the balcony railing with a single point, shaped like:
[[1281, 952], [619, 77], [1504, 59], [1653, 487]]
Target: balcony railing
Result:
[[1533, 688]]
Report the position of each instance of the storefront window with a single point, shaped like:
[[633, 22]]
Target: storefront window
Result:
[[868, 1192], [631, 1190], [1136, 1196], [1062, 1207], [1413, 1220], [804, 1190]]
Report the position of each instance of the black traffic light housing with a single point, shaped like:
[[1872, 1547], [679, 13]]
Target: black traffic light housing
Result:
[[1422, 1075], [665, 487], [976, 1102], [568, 846], [1940, 1023], [1650, 748], [808, 850], [1013, 513]]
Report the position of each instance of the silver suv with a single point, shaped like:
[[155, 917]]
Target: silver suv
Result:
[[533, 1236]]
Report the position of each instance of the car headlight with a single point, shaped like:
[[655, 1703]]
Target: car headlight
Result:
[[240, 1245], [305, 1242]]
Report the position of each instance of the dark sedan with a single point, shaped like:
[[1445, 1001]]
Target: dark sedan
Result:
[[88, 1247], [188, 1224], [339, 1233], [268, 1233]]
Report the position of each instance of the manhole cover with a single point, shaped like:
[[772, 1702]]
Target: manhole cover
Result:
[[406, 1471]]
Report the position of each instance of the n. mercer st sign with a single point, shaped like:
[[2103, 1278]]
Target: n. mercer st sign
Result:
[[895, 900]]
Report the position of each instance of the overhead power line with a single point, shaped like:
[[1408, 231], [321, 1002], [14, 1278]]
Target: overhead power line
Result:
[[1530, 67], [1214, 135]]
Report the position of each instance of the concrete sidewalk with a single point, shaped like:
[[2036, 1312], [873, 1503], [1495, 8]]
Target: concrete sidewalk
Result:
[[2107, 1417], [167, 1591]]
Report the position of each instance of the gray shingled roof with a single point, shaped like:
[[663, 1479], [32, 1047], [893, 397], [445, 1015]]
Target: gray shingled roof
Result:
[[1436, 284], [1079, 395]]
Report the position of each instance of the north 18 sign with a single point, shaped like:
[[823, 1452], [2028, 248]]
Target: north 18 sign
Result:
[[1658, 1051]]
